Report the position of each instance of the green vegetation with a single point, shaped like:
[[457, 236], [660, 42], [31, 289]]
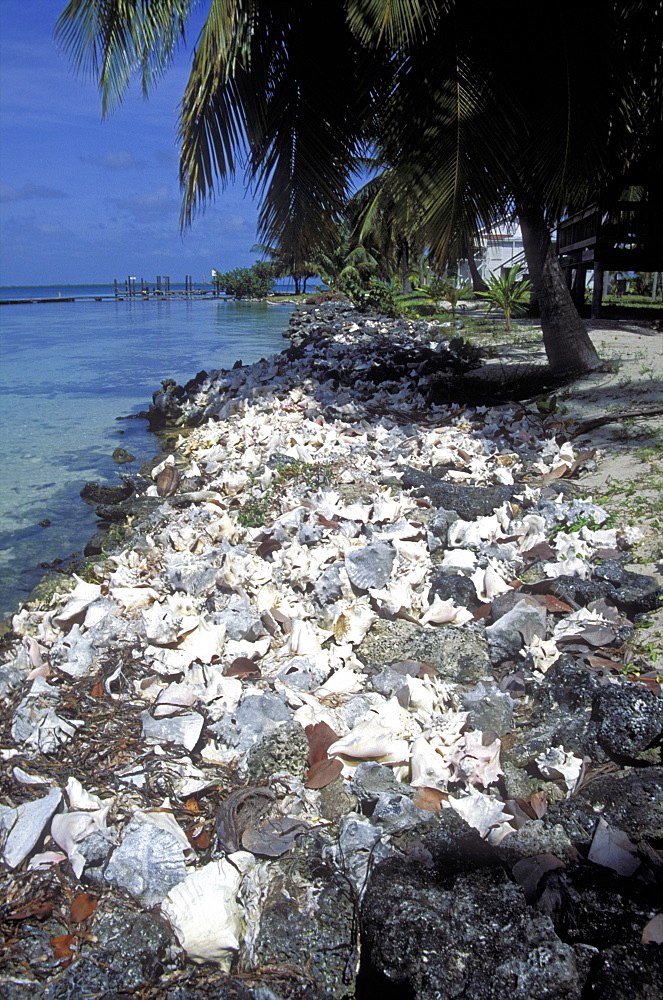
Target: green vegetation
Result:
[[509, 293], [254, 512], [246, 282]]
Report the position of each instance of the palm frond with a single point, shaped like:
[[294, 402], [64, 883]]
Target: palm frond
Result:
[[112, 40]]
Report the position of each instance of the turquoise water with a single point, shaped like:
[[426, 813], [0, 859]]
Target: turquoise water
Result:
[[68, 371]]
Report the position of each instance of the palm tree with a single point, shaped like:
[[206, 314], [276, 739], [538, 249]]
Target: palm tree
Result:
[[478, 113]]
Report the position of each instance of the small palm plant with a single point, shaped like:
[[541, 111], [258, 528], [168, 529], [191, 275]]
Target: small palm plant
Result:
[[508, 292]]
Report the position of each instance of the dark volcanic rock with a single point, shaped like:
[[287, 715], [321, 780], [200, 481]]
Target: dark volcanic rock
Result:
[[469, 502], [633, 594], [106, 493], [627, 972], [632, 802], [471, 936], [131, 952], [630, 720], [310, 932], [455, 587]]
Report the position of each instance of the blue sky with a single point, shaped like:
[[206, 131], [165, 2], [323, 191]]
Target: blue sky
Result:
[[86, 200]]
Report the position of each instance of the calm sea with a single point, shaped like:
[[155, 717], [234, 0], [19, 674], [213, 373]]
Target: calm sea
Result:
[[68, 371]]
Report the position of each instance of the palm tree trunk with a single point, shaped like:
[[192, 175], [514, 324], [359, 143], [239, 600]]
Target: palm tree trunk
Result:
[[567, 343], [478, 284]]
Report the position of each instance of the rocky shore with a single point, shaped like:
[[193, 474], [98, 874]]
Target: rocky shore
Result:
[[355, 707]]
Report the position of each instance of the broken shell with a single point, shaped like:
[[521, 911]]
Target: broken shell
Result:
[[352, 623], [167, 481], [204, 912]]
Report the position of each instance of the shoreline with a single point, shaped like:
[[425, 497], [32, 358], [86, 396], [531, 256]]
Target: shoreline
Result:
[[377, 617]]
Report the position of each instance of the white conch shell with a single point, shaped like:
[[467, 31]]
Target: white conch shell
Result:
[[445, 613], [489, 584], [204, 912], [353, 622], [370, 739]]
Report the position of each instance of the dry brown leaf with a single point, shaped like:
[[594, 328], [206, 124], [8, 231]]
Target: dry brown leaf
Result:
[[326, 523], [97, 690], [191, 805], [430, 799], [558, 473], [83, 905], [552, 603], [320, 737], [242, 666], [36, 910], [63, 948], [323, 772], [268, 545], [200, 840]]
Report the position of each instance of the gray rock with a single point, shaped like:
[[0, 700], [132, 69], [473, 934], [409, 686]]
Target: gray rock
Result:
[[328, 587], [307, 925], [11, 678], [195, 575], [491, 708], [148, 863], [459, 655], [630, 719], [335, 800], [370, 565], [257, 714], [514, 630], [106, 493], [396, 813], [627, 972], [471, 936], [371, 780], [284, 749], [440, 523], [241, 620]]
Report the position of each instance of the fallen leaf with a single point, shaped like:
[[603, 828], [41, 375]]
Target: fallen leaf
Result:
[[528, 872], [538, 553], [323, 772], [63, 948], [653, 930], [191, 805], [268, 545], [83, 905], [97, 690], [274, 838], [326, 523], [201, 840], [558, 473], [611, 848], [430, 799], [242, 666], [320, 737], [552, 603], [36, 910]]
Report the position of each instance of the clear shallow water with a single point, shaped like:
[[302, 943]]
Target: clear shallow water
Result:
[[67, 372]]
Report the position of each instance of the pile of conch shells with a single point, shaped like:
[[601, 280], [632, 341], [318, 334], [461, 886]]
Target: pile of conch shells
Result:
[[292, 537]]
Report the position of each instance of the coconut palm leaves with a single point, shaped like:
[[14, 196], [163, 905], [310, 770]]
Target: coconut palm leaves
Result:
[[476, 108]]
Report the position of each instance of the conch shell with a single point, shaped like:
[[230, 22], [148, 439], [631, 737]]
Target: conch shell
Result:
[[168, 480]]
